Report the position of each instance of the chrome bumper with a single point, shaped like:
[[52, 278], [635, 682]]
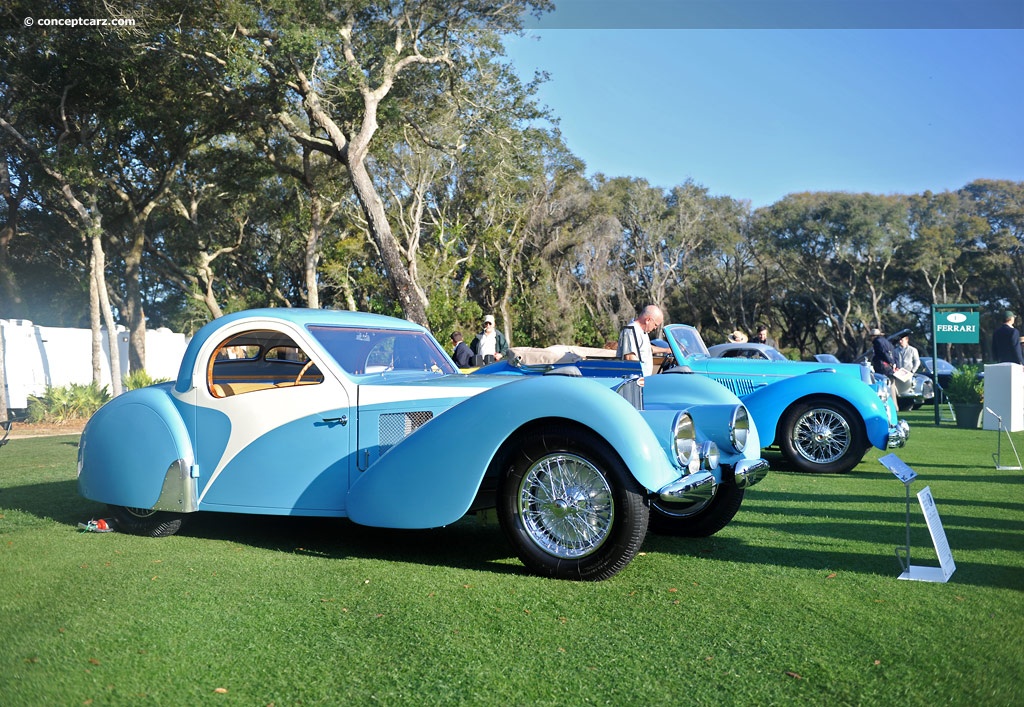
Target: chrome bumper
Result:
[[693, 488], [898, 434], [749, 471]]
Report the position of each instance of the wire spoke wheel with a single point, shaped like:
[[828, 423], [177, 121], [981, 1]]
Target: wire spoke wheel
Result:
[[146, 521], [822, 436], [569, 506], [566, 505]]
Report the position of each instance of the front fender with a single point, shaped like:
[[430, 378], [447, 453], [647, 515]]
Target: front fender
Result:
[[431, 478], [709, 403], [767, 405], [130, 445]]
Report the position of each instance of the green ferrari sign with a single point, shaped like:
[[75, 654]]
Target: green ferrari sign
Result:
[[957, 327]]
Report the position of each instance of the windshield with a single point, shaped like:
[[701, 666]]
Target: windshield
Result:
[[362, 351], [687, 340]]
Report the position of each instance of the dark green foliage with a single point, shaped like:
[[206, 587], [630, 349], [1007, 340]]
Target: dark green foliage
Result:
[[966, 386]]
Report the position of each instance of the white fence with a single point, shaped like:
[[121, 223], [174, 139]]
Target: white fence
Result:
[[37, 356]]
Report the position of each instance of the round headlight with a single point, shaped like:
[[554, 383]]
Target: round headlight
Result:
[[684, 442], [739, 428]]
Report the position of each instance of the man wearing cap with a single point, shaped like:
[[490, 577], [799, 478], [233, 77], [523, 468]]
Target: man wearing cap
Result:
[[490, 342], [1006, 341]]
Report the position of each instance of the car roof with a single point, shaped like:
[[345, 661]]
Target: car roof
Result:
[[737, 346]]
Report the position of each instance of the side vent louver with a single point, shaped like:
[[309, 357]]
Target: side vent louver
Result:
[[739, 387], [394, 427]]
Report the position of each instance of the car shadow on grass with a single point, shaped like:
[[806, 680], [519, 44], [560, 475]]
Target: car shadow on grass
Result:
[[471, 544], [466, 544]]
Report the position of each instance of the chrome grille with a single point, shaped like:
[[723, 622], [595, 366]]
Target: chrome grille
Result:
[[633, 392]]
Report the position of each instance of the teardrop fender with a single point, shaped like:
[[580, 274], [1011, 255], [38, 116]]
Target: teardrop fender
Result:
[[431, 478], [111, 471]]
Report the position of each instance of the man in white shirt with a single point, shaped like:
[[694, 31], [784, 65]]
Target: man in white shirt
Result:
[[490, 342], [635, 340]]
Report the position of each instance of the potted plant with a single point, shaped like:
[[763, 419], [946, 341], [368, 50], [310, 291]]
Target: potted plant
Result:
[[966, 393]]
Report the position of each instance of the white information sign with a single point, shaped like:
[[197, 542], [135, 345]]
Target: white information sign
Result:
[[945, 555], [898, 467]]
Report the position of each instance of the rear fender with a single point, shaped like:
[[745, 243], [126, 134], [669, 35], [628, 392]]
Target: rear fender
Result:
[[115, 472], [431, 478]]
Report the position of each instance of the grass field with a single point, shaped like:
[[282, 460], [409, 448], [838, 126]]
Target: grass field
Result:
[[797, 601]]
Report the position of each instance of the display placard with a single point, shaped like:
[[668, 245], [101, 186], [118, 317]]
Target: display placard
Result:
[[898, 467], [942, 550]]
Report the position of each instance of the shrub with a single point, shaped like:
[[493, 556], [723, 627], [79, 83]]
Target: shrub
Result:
[[140, 379], [76, 401], [966, 385]]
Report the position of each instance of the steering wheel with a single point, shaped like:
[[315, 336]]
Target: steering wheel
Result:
[[305, 368], [667, 362]]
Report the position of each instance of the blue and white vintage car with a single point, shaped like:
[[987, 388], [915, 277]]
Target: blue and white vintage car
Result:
[[342, 414], [823, 417]]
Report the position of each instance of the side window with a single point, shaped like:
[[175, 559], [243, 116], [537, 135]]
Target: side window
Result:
[[259, 360]]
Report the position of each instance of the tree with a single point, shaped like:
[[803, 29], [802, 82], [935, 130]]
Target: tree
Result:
[[836, 249], [344, 65]]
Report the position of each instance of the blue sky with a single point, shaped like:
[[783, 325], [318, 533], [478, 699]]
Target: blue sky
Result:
[[759, 113]]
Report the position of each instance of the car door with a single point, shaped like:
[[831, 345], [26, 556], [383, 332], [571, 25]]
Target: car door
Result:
[[273, 428]]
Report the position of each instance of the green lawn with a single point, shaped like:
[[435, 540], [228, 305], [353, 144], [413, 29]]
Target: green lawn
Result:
[[797, 601]]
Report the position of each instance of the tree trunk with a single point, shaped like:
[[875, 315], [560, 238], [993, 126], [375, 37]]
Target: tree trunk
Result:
[[134, 309], [402, 285], [100, 284], [3, 382], [312, 244]]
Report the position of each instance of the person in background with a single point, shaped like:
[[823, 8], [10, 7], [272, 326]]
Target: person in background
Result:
[[883, 357], [490, 342], [1006, 341], [907, 359], [761, 336], [907, 356], [462, 354], [635, 341], [737, 337]]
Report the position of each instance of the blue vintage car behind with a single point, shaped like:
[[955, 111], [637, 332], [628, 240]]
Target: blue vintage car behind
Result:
[[341, 414], [823, 417]]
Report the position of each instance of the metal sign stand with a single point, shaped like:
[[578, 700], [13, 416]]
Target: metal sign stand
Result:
[[998, 456], [923, 574], [905, 474]]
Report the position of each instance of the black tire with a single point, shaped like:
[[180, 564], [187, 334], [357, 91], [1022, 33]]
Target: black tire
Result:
[[905, 405], [144, 521], [822, 436], [697, 520], [570, 507]]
